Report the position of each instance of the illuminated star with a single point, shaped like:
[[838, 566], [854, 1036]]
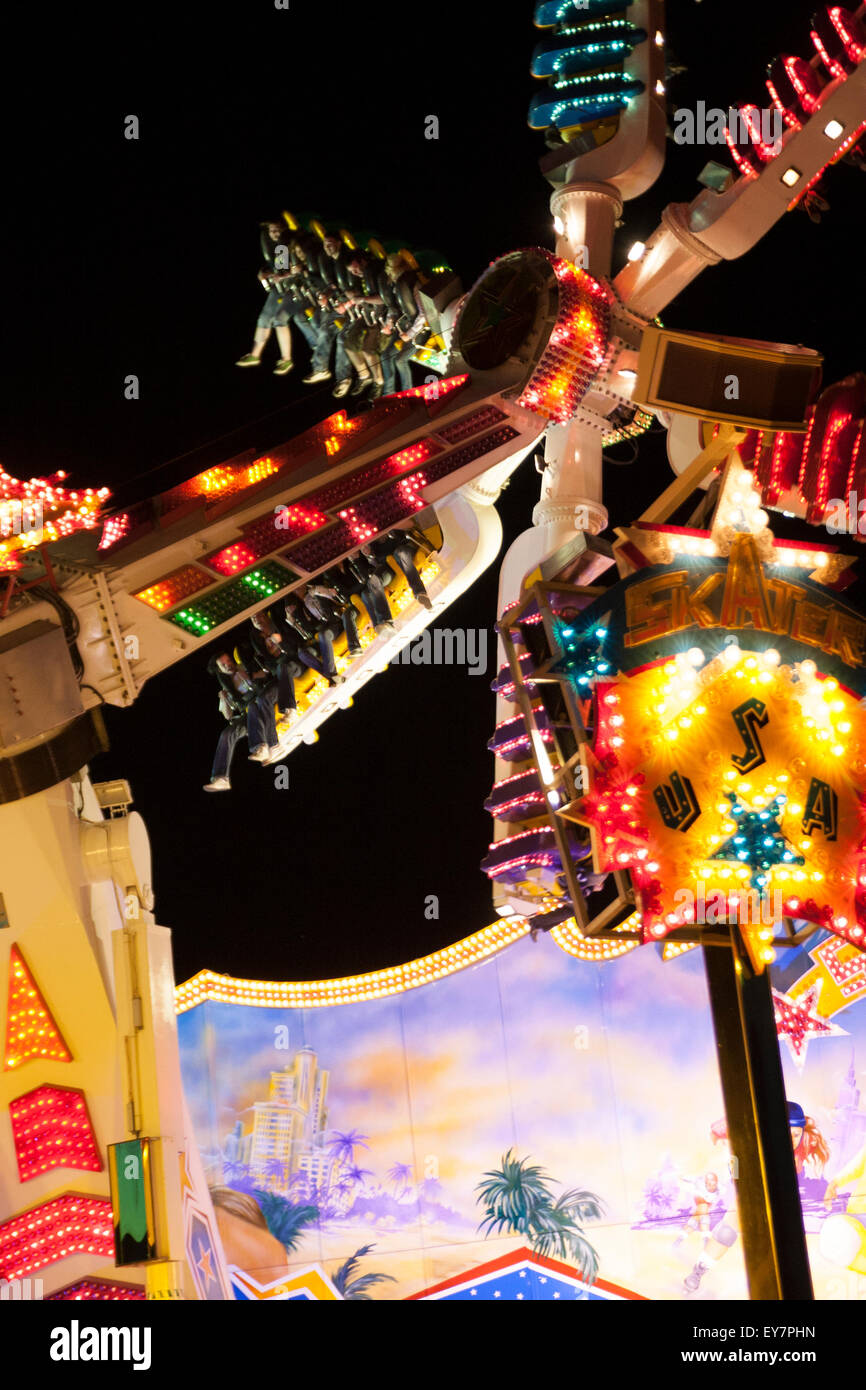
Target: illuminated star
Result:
[[757, 841], [582, 655], [798, 1021]]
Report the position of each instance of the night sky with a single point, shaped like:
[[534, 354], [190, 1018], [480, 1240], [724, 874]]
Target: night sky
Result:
[[140, 257]]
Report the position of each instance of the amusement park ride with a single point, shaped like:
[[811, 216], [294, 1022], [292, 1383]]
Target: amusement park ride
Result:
[[620, 664]]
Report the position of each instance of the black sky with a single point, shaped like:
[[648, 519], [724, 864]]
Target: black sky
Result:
[[139, 257]]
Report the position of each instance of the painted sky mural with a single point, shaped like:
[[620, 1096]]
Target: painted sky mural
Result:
[[531, 1105], [601, 1077]]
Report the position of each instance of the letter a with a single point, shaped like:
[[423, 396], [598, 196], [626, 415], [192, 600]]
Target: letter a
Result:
[[684, 126], [59, 1344]]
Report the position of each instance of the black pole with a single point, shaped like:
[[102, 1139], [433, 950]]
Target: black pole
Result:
[[771, 1219]]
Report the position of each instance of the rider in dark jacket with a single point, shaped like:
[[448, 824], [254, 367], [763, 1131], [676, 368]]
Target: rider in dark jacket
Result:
[[362, 338], [364, 571], [281, 307], [329, 281], [403, 548]]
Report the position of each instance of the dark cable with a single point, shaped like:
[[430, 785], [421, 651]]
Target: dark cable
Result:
[[69, 622], [622, 463]]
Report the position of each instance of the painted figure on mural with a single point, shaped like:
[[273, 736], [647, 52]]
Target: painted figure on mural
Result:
[[843, 1234], [811, 1152], [705, 1193]]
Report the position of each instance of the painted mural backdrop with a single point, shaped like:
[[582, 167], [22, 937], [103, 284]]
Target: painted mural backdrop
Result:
[[531, 1127]]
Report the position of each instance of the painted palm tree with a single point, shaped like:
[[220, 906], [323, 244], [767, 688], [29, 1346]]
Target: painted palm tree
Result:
[[286, 1220], [299, 1184], [560, 1231], [659, 1200], [431, 1189], [354, 1286], [232, 1170], [343, 1146], [275, 1169], [357, 1175], [518, 1197], [513, 1193], [400, 1173], [341, 1192]]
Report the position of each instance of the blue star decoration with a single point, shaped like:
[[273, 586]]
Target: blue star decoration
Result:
[[757, 841], [583, 655]]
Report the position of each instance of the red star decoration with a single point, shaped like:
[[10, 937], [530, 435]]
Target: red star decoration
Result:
[[798, 1022], [205, 1267]]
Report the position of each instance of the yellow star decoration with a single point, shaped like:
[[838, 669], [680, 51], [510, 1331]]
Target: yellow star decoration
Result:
[[679, 743]]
